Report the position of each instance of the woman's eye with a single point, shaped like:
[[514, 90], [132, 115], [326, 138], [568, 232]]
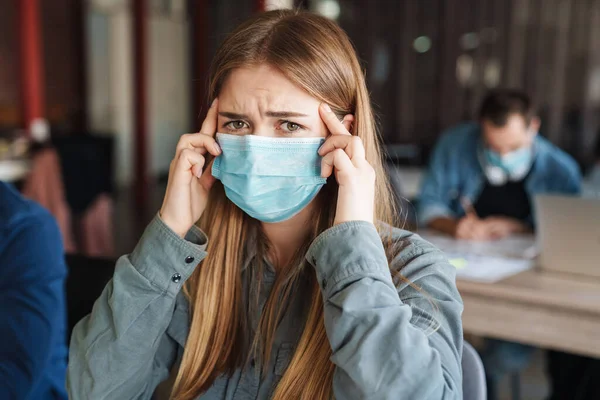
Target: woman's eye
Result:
[[236, 125], [291, 127]]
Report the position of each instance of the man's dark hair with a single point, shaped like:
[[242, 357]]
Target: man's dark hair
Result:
[[498, 105]]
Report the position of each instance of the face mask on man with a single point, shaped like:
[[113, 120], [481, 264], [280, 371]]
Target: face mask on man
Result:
[[270, 179], [511, 166]]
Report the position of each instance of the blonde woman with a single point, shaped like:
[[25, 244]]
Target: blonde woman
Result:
[[272, 269]]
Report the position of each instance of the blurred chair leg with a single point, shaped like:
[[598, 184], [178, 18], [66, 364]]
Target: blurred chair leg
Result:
[[515, 385]]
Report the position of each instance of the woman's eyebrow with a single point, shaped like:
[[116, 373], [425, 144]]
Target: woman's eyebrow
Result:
[[231, 115], [284, 114], [272, 114]]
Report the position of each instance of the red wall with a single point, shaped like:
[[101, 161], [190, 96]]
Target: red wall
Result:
[[10, 89], [63, 59]]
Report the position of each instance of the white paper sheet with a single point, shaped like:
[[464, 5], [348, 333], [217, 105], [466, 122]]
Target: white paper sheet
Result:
[[487, 269], [486, 261]]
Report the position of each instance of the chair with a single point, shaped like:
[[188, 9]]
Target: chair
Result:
[[474, 386], [87, 278], [86, 165]]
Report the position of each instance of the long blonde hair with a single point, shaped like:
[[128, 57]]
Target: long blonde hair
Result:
[[315, 54]]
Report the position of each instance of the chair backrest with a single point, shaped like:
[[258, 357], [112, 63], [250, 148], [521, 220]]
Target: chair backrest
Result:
[[87, 278], [474, 386], [87, 168]]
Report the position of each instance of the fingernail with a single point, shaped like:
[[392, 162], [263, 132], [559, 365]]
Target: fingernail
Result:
[[217, 148], [326, 107], [213, 103]]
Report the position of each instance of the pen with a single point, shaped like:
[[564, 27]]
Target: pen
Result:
[[468, 207]]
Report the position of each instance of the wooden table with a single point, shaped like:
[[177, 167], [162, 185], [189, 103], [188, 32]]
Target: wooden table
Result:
[[544, 309]]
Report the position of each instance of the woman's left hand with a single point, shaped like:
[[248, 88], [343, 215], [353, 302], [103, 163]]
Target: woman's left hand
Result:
[[344, 155]]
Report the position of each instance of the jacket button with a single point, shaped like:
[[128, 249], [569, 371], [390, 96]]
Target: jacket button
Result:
[[189, 259], [324, 283], [176, 278]]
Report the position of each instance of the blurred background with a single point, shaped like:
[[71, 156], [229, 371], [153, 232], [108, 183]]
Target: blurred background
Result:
[[95, 94], [124, 79]]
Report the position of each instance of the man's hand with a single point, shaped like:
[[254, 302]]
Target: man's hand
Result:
[[473, 228], [501, 227], [491, 228]]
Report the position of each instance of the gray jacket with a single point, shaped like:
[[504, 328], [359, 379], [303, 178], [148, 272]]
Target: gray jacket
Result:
[[388, 342]]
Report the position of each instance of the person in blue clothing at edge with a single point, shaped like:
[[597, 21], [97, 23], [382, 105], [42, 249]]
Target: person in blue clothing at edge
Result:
[[480, 185], [294, 284], [33, 349]]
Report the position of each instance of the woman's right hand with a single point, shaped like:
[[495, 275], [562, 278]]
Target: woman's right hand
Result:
[[188, 185]]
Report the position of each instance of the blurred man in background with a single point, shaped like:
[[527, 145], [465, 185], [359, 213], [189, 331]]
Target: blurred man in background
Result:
[[483, 176], [480, 186], [33, 352]]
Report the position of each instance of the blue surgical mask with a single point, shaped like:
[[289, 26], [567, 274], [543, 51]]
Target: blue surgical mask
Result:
[[514, 165], [270, 179]]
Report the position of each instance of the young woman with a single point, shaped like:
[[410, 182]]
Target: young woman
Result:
[[293, 285]]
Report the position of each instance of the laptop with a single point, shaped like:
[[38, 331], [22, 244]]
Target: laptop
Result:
[[568, 234]]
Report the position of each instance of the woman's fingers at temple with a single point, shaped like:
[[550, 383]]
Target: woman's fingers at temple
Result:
[[207, 179], [336, 159], [186, 194], [204, 140], [340, 138], [344, 154], [352, 145], [189, 160], [347, 121], [333, 124], [199, 143], [358, 149], [209, 126], [335, 142], [189, 182]]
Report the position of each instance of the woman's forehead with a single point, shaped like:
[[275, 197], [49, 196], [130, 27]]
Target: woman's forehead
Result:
[[265, 88]]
